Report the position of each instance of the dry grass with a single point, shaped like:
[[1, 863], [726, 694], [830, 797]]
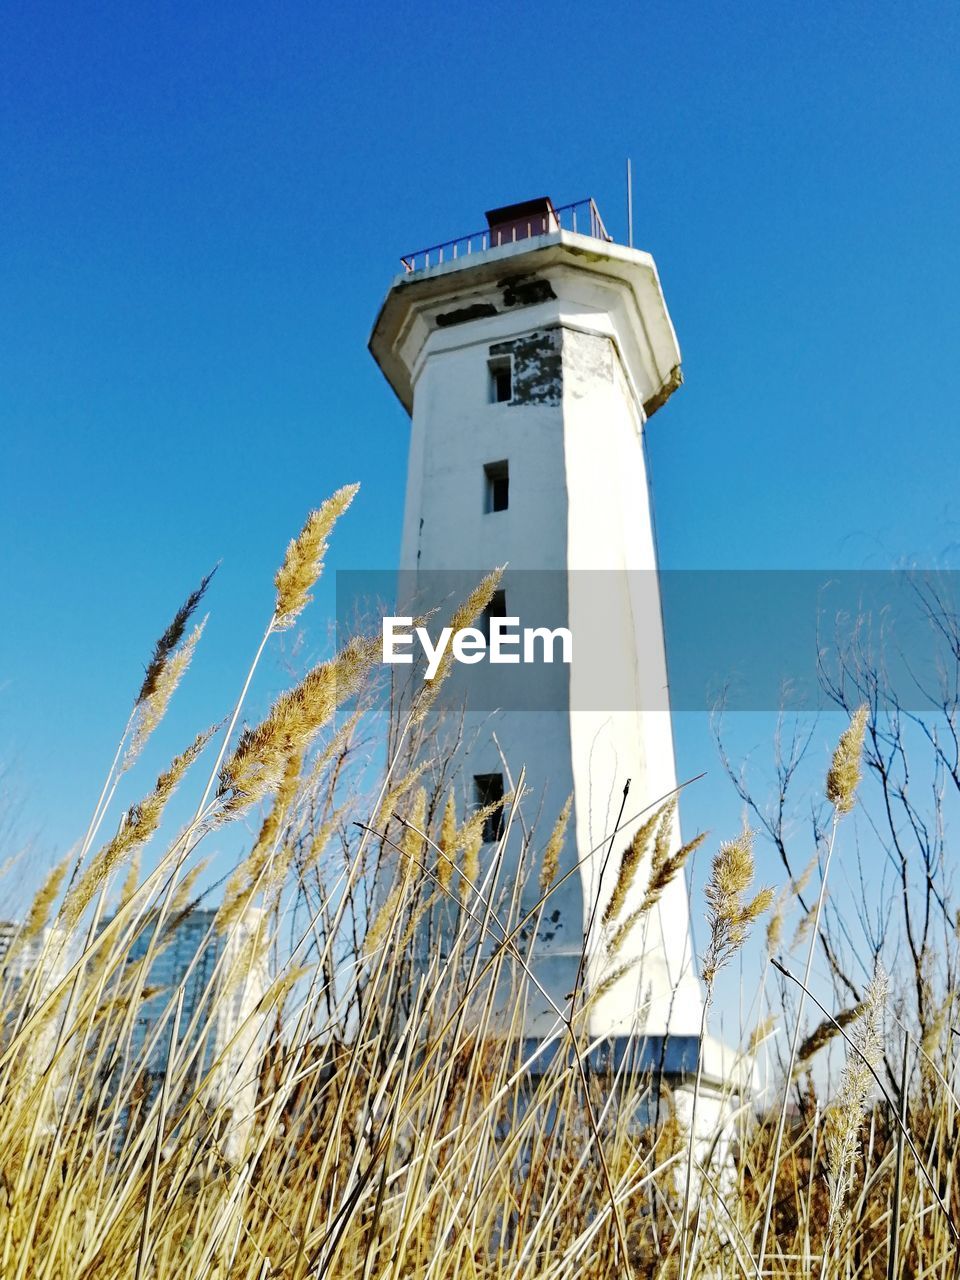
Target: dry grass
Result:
[[344, 1091]]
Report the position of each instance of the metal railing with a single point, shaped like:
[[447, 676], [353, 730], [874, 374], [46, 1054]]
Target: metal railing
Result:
[[582, 217]]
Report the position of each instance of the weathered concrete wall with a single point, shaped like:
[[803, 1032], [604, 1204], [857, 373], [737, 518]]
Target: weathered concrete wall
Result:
[[537, 366]]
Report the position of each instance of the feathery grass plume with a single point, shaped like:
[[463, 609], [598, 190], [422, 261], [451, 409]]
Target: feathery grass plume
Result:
[[624, 929], [169, 641], [383, 920], [661, 844], [303, 563], [412, 842], [290, 853], [396, 793], [259, 760], [471, 862], [470, 840], [845, 1116], [131, 880], [777, 917], [828, 1030], [804, 925], [730, 918], [447, 843], [760, 1033], [247, 879], [470, 609], [728, 915], [281, 986], [551, 854], [140, 822], [841, 789], [793, 889], [613, 977], [39, 914], [936, 1017], [183, 901], [283, 801], [463, 616], [803, 879], [934, 1029], [656, 887], [152, 708], [665, 871], [629, 863], [420, 909], [843, 776]]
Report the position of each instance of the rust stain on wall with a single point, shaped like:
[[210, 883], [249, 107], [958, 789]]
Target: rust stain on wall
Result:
[[673, 380]]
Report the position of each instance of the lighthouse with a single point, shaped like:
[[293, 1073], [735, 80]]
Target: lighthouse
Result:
[[531, 356]]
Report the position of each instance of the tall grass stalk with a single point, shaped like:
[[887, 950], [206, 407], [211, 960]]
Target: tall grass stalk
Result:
[[730, 917], [843, 779]]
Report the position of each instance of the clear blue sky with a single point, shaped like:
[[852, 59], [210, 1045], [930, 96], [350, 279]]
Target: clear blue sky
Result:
[[202, 206]]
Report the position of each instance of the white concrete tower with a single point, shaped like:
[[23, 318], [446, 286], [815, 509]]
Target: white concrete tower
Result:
[[530, 357]]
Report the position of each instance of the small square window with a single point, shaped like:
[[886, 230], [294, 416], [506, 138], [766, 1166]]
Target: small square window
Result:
[[497, 477], [488, 789], [497, 608], [501, 379]]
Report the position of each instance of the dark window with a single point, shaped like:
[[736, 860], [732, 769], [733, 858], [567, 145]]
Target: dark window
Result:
[[488, 789], [501, 379], [497, 608], [497, 475]]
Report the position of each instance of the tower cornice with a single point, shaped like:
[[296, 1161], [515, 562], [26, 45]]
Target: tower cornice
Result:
[[503, 282]]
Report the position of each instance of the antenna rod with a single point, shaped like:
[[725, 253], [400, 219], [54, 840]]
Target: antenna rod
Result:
[[629, 203]]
